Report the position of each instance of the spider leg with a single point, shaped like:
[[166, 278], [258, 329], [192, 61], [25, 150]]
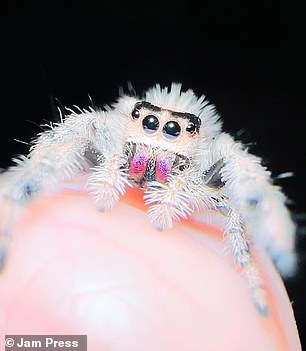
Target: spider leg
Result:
[[107, 182], [59, 153], [182, 194], [261, 204], [237, 241], [234, 234], [168, 201]]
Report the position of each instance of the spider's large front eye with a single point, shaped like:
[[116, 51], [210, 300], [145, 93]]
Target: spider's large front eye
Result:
[[150, 124], [171, 130]]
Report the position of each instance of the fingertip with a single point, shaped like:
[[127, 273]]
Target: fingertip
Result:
[[198, 289]]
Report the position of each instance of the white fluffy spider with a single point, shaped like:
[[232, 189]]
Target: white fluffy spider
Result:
[[169, 143]]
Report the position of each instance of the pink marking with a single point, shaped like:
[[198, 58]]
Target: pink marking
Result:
[[138, 164], [163, 166]]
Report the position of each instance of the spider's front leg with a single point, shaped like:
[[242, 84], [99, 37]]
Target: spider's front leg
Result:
[[168, 201], [177, 196], [108, 182]]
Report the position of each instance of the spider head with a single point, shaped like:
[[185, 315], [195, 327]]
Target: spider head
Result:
[[162, 128]]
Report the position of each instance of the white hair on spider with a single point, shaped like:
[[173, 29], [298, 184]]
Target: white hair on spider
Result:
[[174, 98], [169, 143]]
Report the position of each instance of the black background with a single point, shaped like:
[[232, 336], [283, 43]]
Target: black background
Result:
[[247, 59]]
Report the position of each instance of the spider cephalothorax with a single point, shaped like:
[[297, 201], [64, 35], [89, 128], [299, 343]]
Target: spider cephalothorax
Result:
[[170, 143], [155, 136]]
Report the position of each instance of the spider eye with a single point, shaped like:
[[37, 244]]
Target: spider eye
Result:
[[171, 130], [135, 113], [191, 128], [150, 124]]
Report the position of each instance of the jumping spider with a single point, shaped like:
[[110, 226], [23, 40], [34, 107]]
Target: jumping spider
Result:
[[170, 144]]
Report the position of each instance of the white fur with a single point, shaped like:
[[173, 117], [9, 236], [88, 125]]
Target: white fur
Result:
[[251, 204]]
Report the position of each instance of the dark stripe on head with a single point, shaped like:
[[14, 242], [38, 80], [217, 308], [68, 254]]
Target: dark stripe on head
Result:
[[189, 116]]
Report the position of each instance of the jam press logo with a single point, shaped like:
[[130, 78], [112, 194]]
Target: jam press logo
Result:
[[45, 342]]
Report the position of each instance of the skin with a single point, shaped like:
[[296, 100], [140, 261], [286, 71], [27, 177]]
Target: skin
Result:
[[112, 276]]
